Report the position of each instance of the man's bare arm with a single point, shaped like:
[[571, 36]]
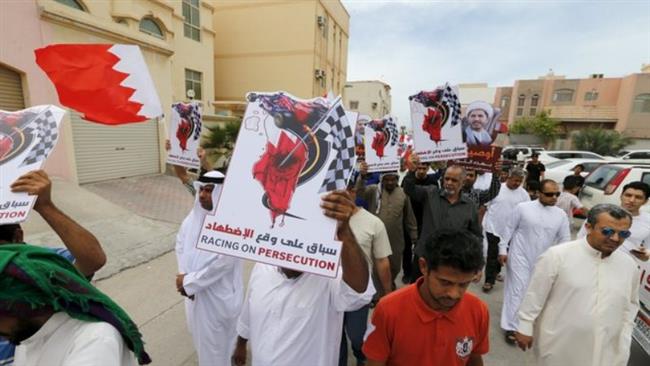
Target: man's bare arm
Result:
[[84, 246], [338, 205]]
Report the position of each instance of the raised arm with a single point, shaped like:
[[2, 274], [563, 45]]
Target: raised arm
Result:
[[82, 244], [488, 195], [338, 205]]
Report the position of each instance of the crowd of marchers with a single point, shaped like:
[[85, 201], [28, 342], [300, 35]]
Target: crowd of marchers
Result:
[[441, 227]]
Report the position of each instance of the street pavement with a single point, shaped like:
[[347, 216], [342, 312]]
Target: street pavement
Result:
[[136, 220]]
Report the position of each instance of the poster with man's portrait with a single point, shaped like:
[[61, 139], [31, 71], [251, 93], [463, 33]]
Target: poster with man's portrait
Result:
[[289, 153], [27, 137], [480, 128]]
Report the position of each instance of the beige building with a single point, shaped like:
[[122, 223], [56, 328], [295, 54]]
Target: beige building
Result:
[[176, 39], [368, 97], [299, 46], [620, 103], [470, 92]]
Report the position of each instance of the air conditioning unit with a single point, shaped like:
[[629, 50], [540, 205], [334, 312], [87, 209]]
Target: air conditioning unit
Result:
[[319, 74], [321, 20]]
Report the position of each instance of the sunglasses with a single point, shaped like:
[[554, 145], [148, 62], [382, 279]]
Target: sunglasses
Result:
[[608, 231], [551, 194]]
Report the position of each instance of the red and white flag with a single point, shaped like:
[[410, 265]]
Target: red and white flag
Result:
[[109, 84]]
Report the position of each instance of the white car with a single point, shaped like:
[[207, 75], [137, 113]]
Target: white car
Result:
[[636, 156], [559, 169], [549, 156], [605, 185]]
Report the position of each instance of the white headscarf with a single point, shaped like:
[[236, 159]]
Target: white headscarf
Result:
[[484, 106], [193, 223], [380, 189]]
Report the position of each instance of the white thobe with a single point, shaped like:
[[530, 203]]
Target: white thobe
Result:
[[500, 208], [531, 230], [640, 234], [64, 341], [580, 308], [216, 282], [296, 321]]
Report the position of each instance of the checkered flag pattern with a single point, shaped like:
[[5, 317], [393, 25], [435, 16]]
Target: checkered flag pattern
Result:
[[338, 127], [195, 116], [47, 134], [391, 127], [450, 98]]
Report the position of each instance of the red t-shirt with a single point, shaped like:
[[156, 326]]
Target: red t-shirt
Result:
[[405, 331]]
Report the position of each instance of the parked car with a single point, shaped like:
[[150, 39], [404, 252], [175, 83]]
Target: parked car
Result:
[[636, 156], [549, 156], [559, 169], [510, 152], [605, 185]]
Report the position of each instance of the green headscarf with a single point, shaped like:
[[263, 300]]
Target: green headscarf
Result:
[[33, 279]]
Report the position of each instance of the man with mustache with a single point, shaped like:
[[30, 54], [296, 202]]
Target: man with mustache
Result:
[[444, 207], [582, 299]]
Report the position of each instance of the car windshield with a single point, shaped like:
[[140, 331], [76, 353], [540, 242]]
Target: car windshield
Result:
[[555, 164], [601, 176]]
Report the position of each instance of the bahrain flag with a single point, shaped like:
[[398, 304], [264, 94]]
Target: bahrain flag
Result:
[[109, 84]]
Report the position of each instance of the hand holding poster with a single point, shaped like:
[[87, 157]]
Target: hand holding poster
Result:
[[288, 152], [437, 131], [381, 137], [185, 134], [26, 139]]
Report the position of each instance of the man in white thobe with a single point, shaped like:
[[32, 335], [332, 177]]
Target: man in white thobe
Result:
[[533, 227], [293, 318], [494, 223], [583, 297], [212, 283]]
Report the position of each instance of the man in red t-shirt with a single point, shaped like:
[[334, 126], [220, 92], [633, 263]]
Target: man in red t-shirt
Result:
[[434, 322]]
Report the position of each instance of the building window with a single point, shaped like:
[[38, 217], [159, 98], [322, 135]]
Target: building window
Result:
[[150, 27], [563, 95], [520, 111], [192, 26], [193, 82], [534, 100], [533, 111], [642, 103], [354, 104], [505, 100], [72, 3], [521, 100], [591, 95]]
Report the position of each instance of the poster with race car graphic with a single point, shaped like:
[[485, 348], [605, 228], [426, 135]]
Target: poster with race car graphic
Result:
[[437, 127], [185, 135], [27, 137], [381, 145], [289, 153]]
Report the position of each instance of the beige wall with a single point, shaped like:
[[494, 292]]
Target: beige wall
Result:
[[37, 23], [365, 93], [265, 45], [632, 123]]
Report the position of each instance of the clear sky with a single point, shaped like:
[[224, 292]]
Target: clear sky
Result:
[[416, 45]]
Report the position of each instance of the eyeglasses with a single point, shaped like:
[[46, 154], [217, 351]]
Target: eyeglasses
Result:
[[551, 194], [608, 231]]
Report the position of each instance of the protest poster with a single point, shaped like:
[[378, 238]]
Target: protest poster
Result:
[[26, 139], [381, 144], [480, 128], [185, 134], [289, 152], [437, 128], [359, 136]]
